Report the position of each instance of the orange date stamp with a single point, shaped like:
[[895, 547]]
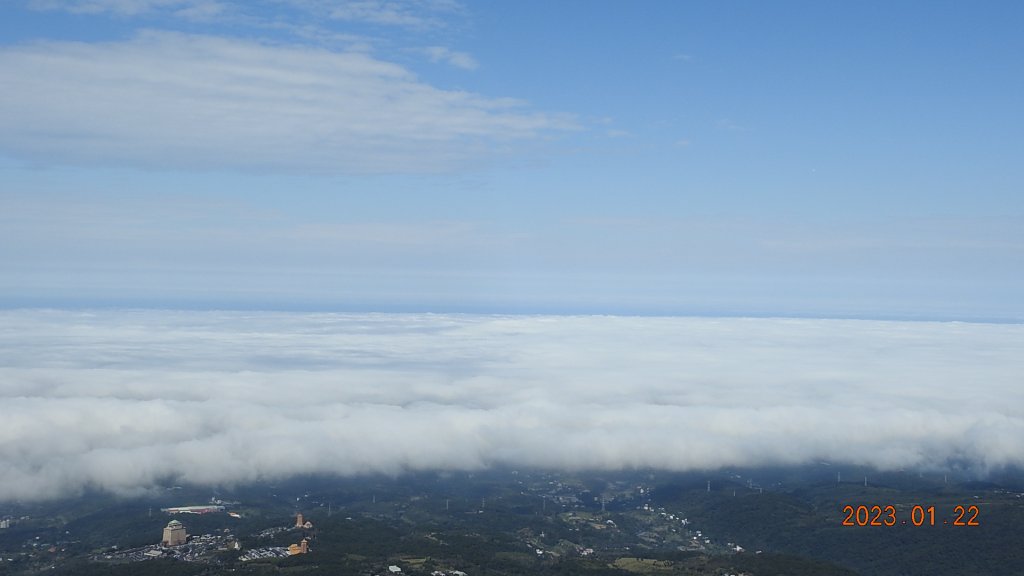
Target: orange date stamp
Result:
[[864, 515]]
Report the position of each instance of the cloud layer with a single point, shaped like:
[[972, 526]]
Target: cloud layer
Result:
[[170, 100], [125, 400]]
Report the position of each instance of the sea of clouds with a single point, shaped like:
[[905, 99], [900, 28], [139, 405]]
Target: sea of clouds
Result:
[[126, 400]]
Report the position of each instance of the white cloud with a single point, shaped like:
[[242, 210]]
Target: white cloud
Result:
[[422, 14], [166, 100], [403, 13], [184, 8], [452, 57], [124, 400]]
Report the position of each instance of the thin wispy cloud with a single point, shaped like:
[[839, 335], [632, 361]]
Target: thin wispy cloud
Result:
[[168, 100], [730, 125], [124, 401], [349, 24], [183, 8], [453, 57], [202, 248], [426, 14]]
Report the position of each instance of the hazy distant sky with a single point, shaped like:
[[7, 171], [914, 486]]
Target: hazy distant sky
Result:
[[820, 158], [127, 400]]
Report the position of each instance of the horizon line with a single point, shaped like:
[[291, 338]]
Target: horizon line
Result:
[[490, 310]]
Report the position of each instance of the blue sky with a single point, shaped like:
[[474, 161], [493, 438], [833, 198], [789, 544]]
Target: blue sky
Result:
[[791, 158]]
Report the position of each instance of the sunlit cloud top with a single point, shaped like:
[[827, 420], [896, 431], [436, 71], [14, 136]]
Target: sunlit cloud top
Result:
[[124, 401]]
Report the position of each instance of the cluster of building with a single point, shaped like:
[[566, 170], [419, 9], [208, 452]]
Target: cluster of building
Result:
[[175, 535], [131, 554], [278, 551], [176, 543], [264, 553]]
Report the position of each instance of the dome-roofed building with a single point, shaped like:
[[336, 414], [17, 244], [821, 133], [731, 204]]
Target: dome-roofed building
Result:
[[174, 534]]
